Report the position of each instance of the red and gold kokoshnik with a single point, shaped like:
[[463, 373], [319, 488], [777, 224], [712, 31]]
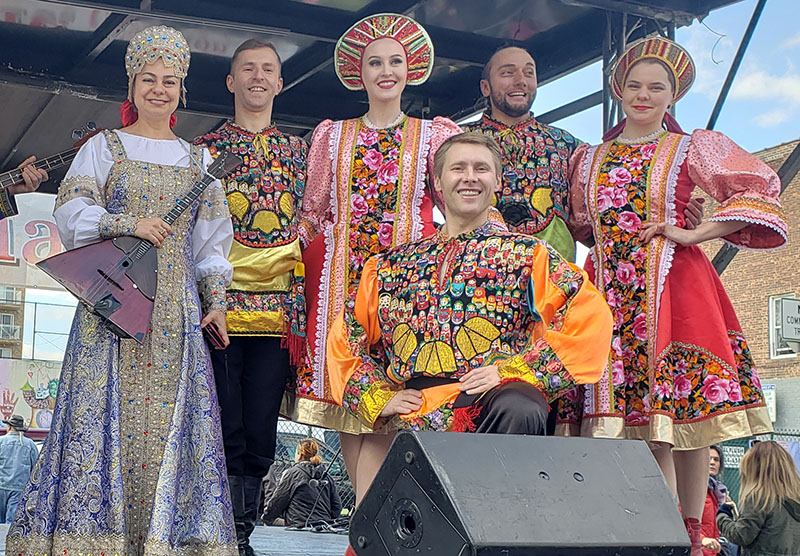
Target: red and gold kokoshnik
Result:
[[410, 34], [672, 54]]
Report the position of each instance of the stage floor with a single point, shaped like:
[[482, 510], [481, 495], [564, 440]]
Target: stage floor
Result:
[[274, 541]]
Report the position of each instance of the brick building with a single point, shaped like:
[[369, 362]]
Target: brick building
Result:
[[755, 282]]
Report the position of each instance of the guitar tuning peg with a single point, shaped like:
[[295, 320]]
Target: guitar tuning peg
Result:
[[77, 134], [91, 126]]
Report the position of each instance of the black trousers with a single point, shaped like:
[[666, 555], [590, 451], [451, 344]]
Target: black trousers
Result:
[[513, 408], [251, 376]]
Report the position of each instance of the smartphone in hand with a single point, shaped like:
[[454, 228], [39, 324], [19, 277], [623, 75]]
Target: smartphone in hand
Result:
[[213, 336]]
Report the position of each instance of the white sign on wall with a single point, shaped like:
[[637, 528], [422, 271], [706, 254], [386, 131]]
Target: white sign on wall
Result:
[[790, 319], [28, 238], [732, 456], [769, 399]]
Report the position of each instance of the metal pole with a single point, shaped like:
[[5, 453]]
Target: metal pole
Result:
[[737, 60], [671, 36], [606, 61], [33, 342]]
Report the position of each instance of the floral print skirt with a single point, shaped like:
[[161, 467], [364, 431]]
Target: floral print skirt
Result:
[[701, 388]]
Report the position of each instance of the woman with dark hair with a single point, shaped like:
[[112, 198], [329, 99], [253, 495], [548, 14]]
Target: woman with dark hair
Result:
[[769, 521], [716, 495], [306, 494], [134, 463], [681, 376]]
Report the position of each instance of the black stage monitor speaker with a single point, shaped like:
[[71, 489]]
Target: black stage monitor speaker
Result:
[[443, 494]]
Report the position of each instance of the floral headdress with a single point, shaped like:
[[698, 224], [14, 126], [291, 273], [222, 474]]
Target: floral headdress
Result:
[[675, 57], [410, 34]]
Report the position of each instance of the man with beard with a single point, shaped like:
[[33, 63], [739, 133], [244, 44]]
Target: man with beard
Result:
[[534, 197], [265, 299]]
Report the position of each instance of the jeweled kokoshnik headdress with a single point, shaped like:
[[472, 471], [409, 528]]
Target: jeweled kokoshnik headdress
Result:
[[152, 43]]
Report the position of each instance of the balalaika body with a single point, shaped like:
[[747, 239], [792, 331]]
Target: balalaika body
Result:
[[116, 278]]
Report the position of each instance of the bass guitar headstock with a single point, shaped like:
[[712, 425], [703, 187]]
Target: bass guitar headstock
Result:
[[84, 133]]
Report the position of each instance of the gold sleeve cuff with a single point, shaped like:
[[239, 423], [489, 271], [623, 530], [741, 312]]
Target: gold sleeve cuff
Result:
[[373, 401], [516, 368]]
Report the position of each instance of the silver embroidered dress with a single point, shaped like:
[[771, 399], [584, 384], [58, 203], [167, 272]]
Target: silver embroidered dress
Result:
[[134, 464]]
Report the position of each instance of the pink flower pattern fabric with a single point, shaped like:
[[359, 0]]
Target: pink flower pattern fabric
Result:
[[373, 194], [677, 374]]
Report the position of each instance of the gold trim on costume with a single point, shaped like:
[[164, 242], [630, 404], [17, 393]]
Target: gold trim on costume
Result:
[[258, 269], [252, 322], [373, 401], [739, 423], [312, 412], [515, 367]]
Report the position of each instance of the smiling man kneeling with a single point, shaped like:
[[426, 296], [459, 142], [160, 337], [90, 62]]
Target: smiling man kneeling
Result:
[[472, 329]]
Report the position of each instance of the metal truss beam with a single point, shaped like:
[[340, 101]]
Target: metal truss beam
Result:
[[572, 108], [283, 17], [727, 252], [678, 10], [737, 60], [105, 34]]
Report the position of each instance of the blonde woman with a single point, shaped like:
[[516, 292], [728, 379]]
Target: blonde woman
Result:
[[769, 522], [681, 375], [368, 190]]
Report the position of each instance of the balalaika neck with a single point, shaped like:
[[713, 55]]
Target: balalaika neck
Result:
[[187, 200], [181, 205]]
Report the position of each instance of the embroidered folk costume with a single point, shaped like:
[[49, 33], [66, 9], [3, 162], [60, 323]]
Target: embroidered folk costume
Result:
[[440, 307], [367, 191], [264, 196], [266, 305], [534, 198], [680, 369], [133, 463]]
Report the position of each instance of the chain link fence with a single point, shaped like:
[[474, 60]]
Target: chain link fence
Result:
[[734, 450]]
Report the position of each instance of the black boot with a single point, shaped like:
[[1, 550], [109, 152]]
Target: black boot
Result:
[[236, 484], [252, 497]]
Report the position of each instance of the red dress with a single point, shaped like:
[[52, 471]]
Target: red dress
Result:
[[680, 371], [367, 192]]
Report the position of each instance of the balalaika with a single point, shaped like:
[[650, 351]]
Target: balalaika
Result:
[[116, 278]]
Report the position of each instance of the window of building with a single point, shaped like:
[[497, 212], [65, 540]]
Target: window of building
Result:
[[10, 294], [5, 353], [7, 329], [778, 349]]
